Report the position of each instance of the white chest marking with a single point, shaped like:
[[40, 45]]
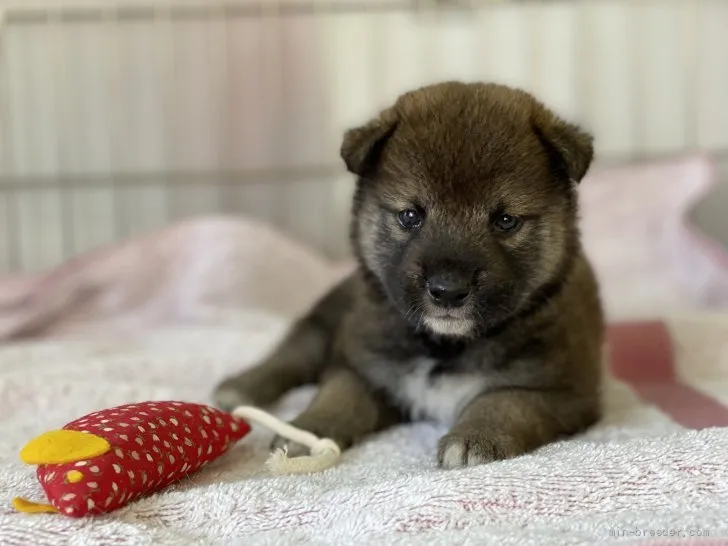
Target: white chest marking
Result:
[[440, 397]]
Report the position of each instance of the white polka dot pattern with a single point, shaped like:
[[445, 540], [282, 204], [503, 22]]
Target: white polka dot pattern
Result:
[[135, 466]]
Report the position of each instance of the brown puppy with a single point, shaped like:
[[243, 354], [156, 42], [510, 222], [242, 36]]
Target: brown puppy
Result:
[[473, 303]]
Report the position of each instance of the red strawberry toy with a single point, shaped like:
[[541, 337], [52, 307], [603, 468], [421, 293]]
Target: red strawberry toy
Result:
[[102, 461], [106, 459]]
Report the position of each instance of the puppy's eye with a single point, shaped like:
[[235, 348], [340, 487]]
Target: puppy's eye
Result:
[[410, 218], [507, 223]]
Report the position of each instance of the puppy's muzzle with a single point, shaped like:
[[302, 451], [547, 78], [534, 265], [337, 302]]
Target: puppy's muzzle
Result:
[[449, 290]]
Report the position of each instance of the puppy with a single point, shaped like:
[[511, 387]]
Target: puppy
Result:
[[473, 303]]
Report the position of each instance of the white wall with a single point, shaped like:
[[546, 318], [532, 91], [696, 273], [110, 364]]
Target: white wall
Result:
[[111, 125]]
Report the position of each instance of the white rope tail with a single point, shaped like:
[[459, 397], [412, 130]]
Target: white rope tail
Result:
[[324, 452]]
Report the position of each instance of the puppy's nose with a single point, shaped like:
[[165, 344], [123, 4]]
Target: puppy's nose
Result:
[[448, 290]]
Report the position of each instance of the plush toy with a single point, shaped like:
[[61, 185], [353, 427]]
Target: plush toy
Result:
[[106, 459]]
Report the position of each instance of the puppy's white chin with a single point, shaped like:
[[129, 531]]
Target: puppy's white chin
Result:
[[453, 327]]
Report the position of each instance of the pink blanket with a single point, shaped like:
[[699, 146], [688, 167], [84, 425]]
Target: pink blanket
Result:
[[202, 271]]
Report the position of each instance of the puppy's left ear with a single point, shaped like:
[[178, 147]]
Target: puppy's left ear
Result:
[[362, 146], [570, 149]]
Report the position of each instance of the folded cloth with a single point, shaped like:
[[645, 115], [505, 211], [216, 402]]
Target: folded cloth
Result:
[[199, 271]]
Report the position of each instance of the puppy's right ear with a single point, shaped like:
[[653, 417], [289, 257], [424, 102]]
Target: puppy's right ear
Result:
[[363, 146]]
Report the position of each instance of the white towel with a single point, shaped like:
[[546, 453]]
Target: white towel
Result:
[[634, 476]]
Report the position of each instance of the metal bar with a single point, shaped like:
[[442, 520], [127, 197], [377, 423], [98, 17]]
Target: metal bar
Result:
[[113, 180], [268, 176], [691, 72], [168, 49], [140, 179], [12, 227], [89, 13], [66, 195], [133, 14]]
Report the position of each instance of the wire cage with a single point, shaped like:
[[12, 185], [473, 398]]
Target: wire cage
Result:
[[120, 116]]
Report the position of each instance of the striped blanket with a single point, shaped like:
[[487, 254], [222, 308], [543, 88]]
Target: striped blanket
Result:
[[654, 471]]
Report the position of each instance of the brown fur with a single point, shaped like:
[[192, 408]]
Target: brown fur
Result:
[[514, 367]]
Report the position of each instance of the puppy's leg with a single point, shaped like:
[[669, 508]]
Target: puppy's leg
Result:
[[297, 360], [344, 410], [509, 423]]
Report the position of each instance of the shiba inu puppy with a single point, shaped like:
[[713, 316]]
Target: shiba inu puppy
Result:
[[473, 303]]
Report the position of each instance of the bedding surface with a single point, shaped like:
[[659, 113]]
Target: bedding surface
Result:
[[655, 466]]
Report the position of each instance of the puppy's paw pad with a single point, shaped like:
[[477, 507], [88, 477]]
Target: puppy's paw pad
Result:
[[227, 398], [457, 450], [292, 449]]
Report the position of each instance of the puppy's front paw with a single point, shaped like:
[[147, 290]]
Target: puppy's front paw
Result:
[[292, 449], [458, 449]]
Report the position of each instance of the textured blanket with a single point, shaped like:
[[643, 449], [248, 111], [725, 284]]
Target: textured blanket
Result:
[[653, 471]]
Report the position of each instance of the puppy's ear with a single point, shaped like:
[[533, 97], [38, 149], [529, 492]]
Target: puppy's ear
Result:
[[570, 149], [362, 146]]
